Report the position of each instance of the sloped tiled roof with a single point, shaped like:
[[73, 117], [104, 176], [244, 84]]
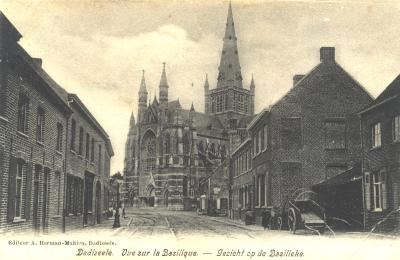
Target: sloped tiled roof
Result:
[[60, 92], [392, 90]]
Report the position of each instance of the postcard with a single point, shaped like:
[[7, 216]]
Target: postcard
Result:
[[216, 129]]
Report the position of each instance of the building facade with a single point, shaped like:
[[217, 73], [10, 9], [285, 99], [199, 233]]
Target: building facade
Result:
[[88, 168], [172, 154], [380, 126], [35, 119]]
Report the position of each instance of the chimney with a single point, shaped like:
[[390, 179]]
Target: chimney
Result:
[[327, 54], [297, 78], [38, 61]]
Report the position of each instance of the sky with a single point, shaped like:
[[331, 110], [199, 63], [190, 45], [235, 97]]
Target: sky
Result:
[[98, 48]]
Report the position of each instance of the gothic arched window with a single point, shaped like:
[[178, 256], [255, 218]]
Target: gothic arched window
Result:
[[186, 145], [148, 151], [176, 140], [167, 144], [212, 148]]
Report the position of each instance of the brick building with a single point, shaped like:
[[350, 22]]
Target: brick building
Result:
[[380, 126], [308, 136], [35, 119], [88, 167]]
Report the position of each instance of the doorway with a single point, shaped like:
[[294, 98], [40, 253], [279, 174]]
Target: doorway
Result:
[[98, 202]]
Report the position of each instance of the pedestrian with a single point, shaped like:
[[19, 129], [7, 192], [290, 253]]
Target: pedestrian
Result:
[[123, 212]]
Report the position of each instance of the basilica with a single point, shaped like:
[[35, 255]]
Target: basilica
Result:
[[173, 155]]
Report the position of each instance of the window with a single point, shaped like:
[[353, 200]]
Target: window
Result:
[[167, 144], [40, 125], [262, 190], [379, 190], [19, 188], [87, 146], [213, 104], [260, 141], [226, 102], [246, 105], [396, 129], [99, 159], [57, 182], [73, 133], [335, 135], [59, 137], [92, 151], [219, 103], [80, 147], [291, 136], [376, 140], [265, 143], [23, 105]]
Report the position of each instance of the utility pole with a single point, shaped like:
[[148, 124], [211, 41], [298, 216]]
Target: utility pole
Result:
[[116, 217]]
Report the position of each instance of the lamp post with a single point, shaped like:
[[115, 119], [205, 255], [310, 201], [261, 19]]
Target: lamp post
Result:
[[117, 224]]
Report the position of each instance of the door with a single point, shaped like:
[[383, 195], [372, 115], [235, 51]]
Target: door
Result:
[[35, 220]]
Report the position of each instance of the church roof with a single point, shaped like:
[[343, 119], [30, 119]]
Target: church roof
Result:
[[174, 104], [229, 68]]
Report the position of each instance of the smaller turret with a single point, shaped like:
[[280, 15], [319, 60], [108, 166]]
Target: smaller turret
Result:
[[142, 98], [206, 96]]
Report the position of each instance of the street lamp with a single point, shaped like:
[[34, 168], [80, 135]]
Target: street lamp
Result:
[[117, 224]]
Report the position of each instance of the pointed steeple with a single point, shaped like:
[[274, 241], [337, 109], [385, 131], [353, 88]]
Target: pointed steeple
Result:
[[143, 88], [142, 98], [163, 87], [252, 85], [206, 84], [132, 125], [132, 120], [229, 68], [192, 108]]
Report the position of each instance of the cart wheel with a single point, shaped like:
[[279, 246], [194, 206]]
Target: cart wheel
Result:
[[292, 220], [279, 223]]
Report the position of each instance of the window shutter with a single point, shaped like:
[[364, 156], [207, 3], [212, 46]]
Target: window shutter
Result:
[[384, 190], [367, 191], [11, 189], [28, 193]]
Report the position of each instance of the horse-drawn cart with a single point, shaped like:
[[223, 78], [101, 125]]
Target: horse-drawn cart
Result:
[[302, 211]]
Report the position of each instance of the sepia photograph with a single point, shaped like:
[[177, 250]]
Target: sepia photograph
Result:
[[214, 129]]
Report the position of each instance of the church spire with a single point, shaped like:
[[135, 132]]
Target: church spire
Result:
[[132, 121], [143, 84], [142, 98], [163, 88], [229, 68]]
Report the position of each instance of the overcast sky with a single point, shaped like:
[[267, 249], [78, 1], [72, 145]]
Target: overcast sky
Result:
[[97, 49]]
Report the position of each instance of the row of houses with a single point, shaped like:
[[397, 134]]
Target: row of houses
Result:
[[326, 134], [54, 155]]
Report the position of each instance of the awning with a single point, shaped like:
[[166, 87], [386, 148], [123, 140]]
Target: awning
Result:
[[348, 176]]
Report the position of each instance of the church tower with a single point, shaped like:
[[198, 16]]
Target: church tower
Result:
[[142, 99], [230, 74], [163, 88], [229, 100]]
